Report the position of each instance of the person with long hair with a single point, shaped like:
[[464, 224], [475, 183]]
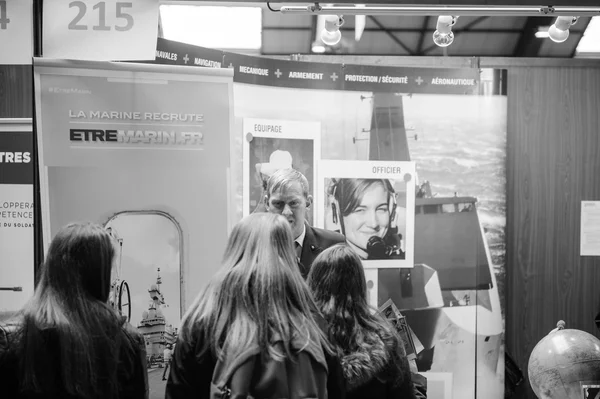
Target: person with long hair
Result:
[[372, 355], [67, 342], [253, 330]]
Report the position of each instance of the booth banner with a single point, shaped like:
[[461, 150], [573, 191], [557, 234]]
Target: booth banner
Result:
[[452, 292], [450, 124], [322, 76], [270, 145], [381, 229], [145, 151], [16, 214]]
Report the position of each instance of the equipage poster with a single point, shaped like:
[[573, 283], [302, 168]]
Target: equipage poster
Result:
[[143, 150]]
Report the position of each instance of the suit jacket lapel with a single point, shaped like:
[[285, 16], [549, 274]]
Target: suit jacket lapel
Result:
[[309, 250]]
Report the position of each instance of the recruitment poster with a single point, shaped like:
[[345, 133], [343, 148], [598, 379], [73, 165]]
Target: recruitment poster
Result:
[[272, 144], [143, 150], [451, 123], [16, 214], [372, 203]]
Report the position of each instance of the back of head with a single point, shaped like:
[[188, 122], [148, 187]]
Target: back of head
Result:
[[68, 329], [284, 178], [78, 263], [338, 284], [258, 295]]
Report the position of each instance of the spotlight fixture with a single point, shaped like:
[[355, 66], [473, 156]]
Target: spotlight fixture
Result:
[[559, 31], [331, 34], [443, 35]]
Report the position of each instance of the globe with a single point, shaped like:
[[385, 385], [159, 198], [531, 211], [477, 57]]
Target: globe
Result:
[[561, 361]]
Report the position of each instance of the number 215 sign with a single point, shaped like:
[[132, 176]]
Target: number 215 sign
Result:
[[107, 30]]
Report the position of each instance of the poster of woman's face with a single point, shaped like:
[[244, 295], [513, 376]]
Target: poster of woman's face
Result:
[[369, 207]]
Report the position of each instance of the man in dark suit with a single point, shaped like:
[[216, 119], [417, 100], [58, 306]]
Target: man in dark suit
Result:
[[287, 195]]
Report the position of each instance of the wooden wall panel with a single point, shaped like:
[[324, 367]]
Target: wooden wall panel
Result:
[[553, 163], [16, 91]]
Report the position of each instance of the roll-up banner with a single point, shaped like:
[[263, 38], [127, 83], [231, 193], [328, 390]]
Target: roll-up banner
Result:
[[16, 214], [143, 150]]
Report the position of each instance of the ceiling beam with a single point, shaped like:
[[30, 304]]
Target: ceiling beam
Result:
[[423, 33], [585, 22], [391, 35], [473, 23], [313, 35], [529, 45]]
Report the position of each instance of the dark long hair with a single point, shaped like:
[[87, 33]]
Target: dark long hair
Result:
[[257, 293], [69, 338], [337, 281]]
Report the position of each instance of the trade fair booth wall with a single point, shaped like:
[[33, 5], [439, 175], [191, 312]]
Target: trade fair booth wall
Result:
[[488, 159]]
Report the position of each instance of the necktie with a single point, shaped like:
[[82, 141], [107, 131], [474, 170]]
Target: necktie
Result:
[[298, 249]]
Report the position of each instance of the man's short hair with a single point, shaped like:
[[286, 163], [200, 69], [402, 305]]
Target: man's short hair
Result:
[[284, 178]]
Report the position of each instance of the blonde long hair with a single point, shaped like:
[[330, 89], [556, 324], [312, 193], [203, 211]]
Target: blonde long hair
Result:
[[258, 293]]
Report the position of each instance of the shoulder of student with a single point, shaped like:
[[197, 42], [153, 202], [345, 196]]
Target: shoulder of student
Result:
[[135, 338], [7, 332], [327, 237]]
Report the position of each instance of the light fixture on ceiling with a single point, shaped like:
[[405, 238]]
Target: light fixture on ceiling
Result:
[[542, 32], [331, 35], [443, 35], [318, 48], [559, 31]]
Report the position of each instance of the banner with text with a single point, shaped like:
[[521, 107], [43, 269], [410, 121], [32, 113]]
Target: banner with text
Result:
[[16, 215], [145, 151]]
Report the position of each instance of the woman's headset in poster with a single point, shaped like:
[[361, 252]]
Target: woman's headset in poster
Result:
[[390, 246]]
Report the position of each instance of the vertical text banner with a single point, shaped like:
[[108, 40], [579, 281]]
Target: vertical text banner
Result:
[[105, 30], [16, 32], [16, 214]]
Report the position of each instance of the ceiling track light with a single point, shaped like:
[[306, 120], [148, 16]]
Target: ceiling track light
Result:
[[443, 35], [331, 35], [559, 31], [485, 11]]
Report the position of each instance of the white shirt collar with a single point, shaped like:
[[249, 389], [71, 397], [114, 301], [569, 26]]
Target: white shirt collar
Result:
[[300, 239]]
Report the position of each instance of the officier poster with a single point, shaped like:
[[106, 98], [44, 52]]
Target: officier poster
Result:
[[372, 203]]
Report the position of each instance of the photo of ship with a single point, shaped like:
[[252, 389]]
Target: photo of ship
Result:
[[157, 332], [451, 297]]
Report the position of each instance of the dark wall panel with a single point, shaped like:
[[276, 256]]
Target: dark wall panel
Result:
[[16, 91], [553, 161]]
